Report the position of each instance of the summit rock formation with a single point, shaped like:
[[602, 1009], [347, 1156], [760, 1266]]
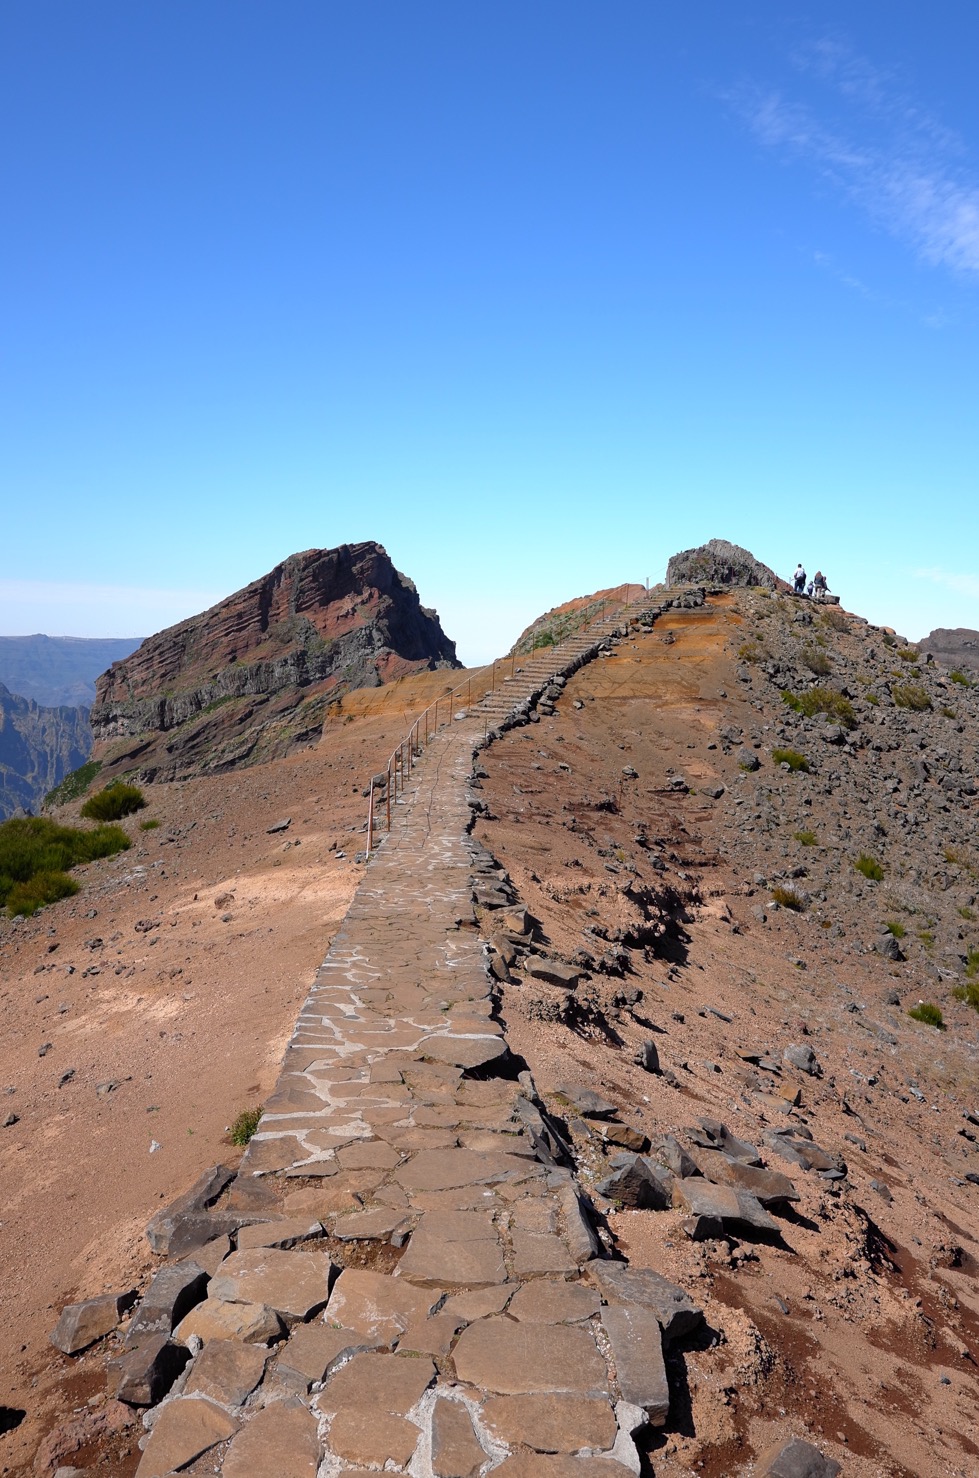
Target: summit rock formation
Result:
[[253, 677], [719, 563]]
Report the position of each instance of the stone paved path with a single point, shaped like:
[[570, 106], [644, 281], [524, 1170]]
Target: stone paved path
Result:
[[407, 1215]]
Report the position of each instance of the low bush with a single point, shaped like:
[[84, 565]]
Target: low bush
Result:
[[929, 1013], [968, 993], [870, 867], [910, 695], [927, 938], [41, 889], [788, 898], [114, 802], [823, 700], [807, 838], [960, 677], [790, 757], [966, 913], [908, 654], [74, 784], [834, 618], [150, 825], [32, 846], [752, 651], [972, 963], [894, 927], [817, 661], [244, 1126]]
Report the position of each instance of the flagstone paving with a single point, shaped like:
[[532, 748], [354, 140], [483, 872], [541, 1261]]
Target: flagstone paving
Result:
[[411, 1242]]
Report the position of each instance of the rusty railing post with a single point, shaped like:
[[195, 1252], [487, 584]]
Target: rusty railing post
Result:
[[370, 820], [387, 793]]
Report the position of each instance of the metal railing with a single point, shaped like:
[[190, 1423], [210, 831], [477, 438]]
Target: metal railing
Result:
[[391, 782]]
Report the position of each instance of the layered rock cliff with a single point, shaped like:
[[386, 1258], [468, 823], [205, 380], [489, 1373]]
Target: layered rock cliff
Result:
[[253, 676], [38, 747]]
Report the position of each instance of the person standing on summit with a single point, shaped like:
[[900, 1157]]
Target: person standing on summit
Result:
[[799, 579]]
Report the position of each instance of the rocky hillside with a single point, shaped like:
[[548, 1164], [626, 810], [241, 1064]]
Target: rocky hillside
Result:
[[748, 845], [957, 648], [38, 747], [254, 676], [59, 670]]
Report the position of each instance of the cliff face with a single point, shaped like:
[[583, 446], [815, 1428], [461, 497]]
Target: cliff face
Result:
[[955, 647], [38, 747], [253, 676]]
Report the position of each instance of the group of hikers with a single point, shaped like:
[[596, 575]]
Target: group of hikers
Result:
[[817, 588]]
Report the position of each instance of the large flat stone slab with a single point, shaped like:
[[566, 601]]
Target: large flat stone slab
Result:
[[545, 1357], [183, 1430], [294, 1284], [280, 1441], [226, 1370], [376, 1305], [676, 1311], [637, 1350], [551, 1423], [81, 1324]]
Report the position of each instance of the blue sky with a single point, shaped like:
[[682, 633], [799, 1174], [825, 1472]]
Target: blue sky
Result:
[[535, 295]]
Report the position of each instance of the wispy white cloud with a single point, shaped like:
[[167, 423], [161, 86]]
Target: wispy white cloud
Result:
[[890, 157], [962, 584]]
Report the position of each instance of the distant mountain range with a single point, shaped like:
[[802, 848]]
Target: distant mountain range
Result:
[[59, 670]]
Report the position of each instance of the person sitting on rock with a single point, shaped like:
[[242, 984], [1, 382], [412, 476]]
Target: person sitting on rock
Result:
[[819, 586], [799, 579]]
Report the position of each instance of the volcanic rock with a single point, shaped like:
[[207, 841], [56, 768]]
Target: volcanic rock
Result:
[[253, 676], [720, 563]]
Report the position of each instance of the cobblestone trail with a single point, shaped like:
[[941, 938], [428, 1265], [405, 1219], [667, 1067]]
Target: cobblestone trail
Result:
[[415, 1283]]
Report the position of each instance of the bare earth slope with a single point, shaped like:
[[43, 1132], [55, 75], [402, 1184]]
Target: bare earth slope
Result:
[[649, 852]]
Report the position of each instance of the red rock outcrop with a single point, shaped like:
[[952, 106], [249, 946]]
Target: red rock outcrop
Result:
[[253, 676]]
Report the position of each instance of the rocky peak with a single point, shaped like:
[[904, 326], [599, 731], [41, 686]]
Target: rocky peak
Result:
[[956, 647], [720, 563], [252, 677]]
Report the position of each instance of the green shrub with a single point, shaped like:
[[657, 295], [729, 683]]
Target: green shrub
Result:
[[870, 867], [790, 757], [947, 712], [873, 699], [788, 898], [244, 1126], [910, 695], [150, 825], [927, 938], [960, 677], [889, 639], [73, 785], [807, 838], [966, 913], [908, 654], [929, 1013], [894, 927], [969, 993], [834, 618], [114, 802], [33, 845], [972, 963], [816, 661], [41, 889], [752, 651], [823, 700]]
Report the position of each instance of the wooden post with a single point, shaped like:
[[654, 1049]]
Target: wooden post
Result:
[[370, 820], [387, 792]]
